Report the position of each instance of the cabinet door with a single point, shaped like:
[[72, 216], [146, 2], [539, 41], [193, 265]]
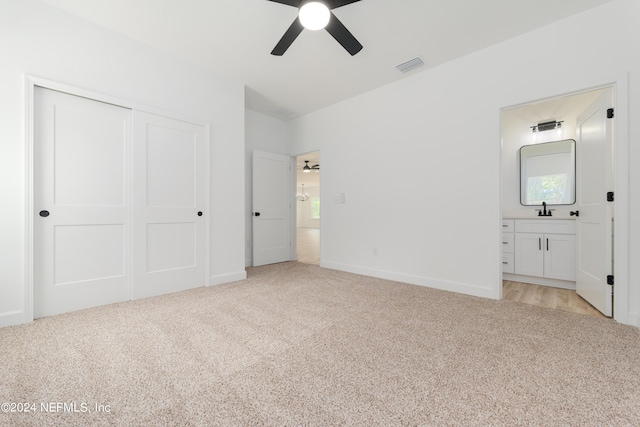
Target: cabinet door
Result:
[[560, 256], [529, 257]]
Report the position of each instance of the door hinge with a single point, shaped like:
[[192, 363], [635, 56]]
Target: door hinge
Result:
[[610, 196], [610, 279], [610, 113]]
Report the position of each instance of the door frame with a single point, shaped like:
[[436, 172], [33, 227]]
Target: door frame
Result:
[[30, 82], [620, 88], [294, 211]]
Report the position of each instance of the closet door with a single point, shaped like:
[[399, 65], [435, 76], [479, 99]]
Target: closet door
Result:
[[168, 205], [82, 203]]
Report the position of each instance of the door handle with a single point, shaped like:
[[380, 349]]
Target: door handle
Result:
[[547, 244], [199, 213], [256, 213], [539, 243], [576, 213], [44, 214]]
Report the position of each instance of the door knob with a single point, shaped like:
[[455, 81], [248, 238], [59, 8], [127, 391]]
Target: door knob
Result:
[[257, 214], [44, 214], [576, 213], [199, 213]]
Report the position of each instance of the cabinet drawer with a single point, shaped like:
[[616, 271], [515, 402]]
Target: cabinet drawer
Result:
[[508, 226], [557, 226], [507, 263], [507, 242]]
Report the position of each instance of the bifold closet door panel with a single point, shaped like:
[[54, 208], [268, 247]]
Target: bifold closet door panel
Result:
[[168, 205], [82, 218]]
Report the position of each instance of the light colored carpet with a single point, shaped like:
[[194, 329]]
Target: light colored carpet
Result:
[[297, 345]]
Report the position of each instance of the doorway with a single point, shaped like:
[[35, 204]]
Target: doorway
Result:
[[517, 124], [308, 208]]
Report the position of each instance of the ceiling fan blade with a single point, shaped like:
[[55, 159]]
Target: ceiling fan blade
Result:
[[342, 35], [294, 3], [289, 36], [333, 4]]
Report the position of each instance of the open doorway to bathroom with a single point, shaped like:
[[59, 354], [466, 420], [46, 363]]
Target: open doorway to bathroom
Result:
[[308, 207], [527, 275]]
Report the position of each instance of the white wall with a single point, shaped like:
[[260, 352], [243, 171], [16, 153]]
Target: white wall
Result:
[[266, 134], [433, 208], [40, 40]]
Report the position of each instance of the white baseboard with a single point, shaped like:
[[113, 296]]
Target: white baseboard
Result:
[[555, 283], [445, 285], [226, 278], [633, 319], [12, 318]]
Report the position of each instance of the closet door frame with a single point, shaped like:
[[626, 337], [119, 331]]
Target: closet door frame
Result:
[[30, 84]]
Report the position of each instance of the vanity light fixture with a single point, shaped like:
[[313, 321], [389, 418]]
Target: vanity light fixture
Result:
[[541, 132], [545, 126]]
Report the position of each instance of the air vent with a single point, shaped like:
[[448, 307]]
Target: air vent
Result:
[[411, 64]]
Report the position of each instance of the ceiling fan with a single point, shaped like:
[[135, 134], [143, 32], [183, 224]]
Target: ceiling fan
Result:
[[315, 15], [308, 168]]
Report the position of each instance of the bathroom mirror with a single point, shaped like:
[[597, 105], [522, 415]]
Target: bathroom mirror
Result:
[[548, 173]]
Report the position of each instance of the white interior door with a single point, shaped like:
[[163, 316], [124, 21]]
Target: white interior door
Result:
[[594, 227], [271, 199], [82, 153], [168, 205]]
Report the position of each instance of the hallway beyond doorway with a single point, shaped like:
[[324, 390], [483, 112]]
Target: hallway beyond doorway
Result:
[[309, 245]]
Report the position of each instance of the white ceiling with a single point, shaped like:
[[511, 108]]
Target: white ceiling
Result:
[[234, 38]]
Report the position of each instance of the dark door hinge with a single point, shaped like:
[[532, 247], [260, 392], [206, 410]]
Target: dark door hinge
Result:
[[610, 279], [610, 196], [610, 113]]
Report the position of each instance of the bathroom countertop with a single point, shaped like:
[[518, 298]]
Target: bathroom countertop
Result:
[[570, 218]]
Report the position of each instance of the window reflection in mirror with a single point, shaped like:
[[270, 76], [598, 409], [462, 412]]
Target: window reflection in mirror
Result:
[[548, 173]]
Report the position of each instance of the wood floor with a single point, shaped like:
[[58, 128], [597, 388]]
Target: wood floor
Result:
[[543, 296], [546, 296], [309, 245]]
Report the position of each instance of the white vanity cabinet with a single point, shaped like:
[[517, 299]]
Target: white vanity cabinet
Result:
[[545, 248], [540, 251]]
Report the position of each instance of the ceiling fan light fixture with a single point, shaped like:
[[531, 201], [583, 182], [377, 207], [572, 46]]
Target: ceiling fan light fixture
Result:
[[314, 15], [306, 168]]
